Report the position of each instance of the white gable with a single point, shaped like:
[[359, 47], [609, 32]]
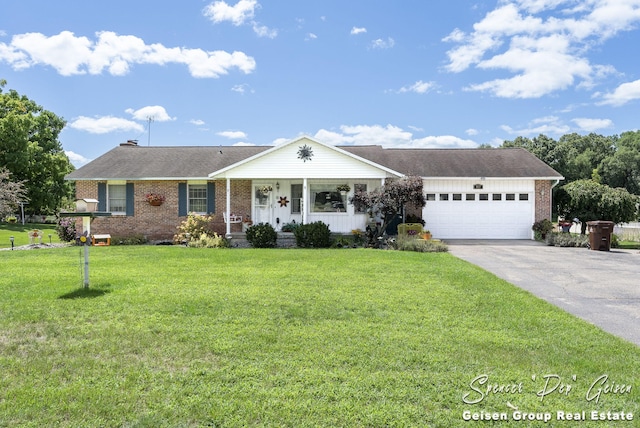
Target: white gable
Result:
[[284, 161]]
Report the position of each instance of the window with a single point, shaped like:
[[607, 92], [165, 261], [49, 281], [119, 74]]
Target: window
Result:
[[471, 196], [198, 198], [444, 196], [523, 196], [296, 198], [325, 199], [484, 196], [497, 196], [511, 197], [431, 196], [360, 188], [117, 197], [457, 196]]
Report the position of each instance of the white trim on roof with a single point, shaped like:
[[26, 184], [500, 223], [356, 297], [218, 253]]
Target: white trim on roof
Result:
[[221, 173]]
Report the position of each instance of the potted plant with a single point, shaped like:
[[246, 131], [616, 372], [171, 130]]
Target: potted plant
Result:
[[542, 227], [12, 219], [343, 188], [154, 199], [426, 235], [266, 189]]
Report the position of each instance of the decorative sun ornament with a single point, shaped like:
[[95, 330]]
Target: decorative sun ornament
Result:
[[283, 201], [305, 153]]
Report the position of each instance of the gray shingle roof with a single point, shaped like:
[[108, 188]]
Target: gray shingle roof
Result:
[[508, 162], [190, 162], [180, 162]]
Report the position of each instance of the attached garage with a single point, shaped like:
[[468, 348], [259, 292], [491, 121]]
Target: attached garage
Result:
[[476, 193], [499, 209]]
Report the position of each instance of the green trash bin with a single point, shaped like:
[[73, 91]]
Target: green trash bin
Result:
[[600, 234]]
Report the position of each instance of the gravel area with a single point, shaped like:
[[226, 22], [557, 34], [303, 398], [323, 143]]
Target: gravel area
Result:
[[35, 247]]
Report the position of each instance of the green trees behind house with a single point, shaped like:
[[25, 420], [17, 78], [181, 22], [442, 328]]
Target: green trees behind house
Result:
[[602, 174], [31, 152]]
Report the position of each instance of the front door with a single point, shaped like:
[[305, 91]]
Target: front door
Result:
[[262, 204]]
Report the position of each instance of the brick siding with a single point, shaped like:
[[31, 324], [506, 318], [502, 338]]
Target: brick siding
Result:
[[543, 200], [159, 223]]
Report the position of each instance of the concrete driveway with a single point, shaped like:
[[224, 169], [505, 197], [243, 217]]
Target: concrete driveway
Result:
[[600, 287]]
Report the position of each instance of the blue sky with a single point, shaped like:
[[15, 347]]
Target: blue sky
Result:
[[410, 73]]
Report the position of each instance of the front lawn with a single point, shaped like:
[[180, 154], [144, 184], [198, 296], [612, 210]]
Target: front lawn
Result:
[[175, 336], [20, 233]]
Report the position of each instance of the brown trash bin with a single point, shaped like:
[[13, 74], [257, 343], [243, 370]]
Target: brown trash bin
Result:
[[600, 234]]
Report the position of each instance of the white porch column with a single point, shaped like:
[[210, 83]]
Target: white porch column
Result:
[[227, 216], [305, 196]]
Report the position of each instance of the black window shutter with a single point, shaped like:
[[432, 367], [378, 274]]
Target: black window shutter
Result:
[[102, 196], [211, 197], [182, 199], [130, 200]]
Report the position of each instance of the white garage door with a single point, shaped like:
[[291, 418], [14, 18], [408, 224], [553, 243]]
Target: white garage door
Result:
[[479, 215]]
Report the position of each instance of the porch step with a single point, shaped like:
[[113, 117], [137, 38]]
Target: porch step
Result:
[[285, 240]]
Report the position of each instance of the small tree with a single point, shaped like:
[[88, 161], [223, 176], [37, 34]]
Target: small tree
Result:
[[387, 202], [589, 201], [11, 193]]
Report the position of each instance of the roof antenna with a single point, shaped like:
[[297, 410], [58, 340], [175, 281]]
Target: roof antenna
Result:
[[149, 119]]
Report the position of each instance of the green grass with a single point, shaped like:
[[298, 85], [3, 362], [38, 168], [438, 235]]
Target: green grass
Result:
[[20, 233], [175, 336]]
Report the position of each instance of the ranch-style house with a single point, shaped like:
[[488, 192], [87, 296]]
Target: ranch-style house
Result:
[[470, 193]]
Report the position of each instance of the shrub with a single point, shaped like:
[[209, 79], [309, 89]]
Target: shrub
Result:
[[290, 227], [137, 239], [195, 225], [615, 241], [342, 242], [412, 218], [313, 235], [66, 229], [262, 235], [567, 240], [418, 245], [541, 228], [210, 241]]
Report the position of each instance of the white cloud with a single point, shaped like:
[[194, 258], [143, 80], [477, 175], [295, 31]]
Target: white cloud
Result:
[[471, 132], [591, 125], [441, 142], [197, 122], [232, 135], [388, 136], [310, 36], [543, 44], [77, 159], [543, 125], [241, 13], [220, 11], [264, 31], [358, 30], [383, 44], [105, 125], [623, 94], [419, 87], [241, 89], [70, 55], [157, 113]]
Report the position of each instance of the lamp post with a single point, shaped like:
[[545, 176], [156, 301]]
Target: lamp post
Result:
[[11, 238]]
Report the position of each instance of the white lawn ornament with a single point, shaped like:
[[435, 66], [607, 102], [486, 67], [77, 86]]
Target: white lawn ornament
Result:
[[85, 242], [35, 235]]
